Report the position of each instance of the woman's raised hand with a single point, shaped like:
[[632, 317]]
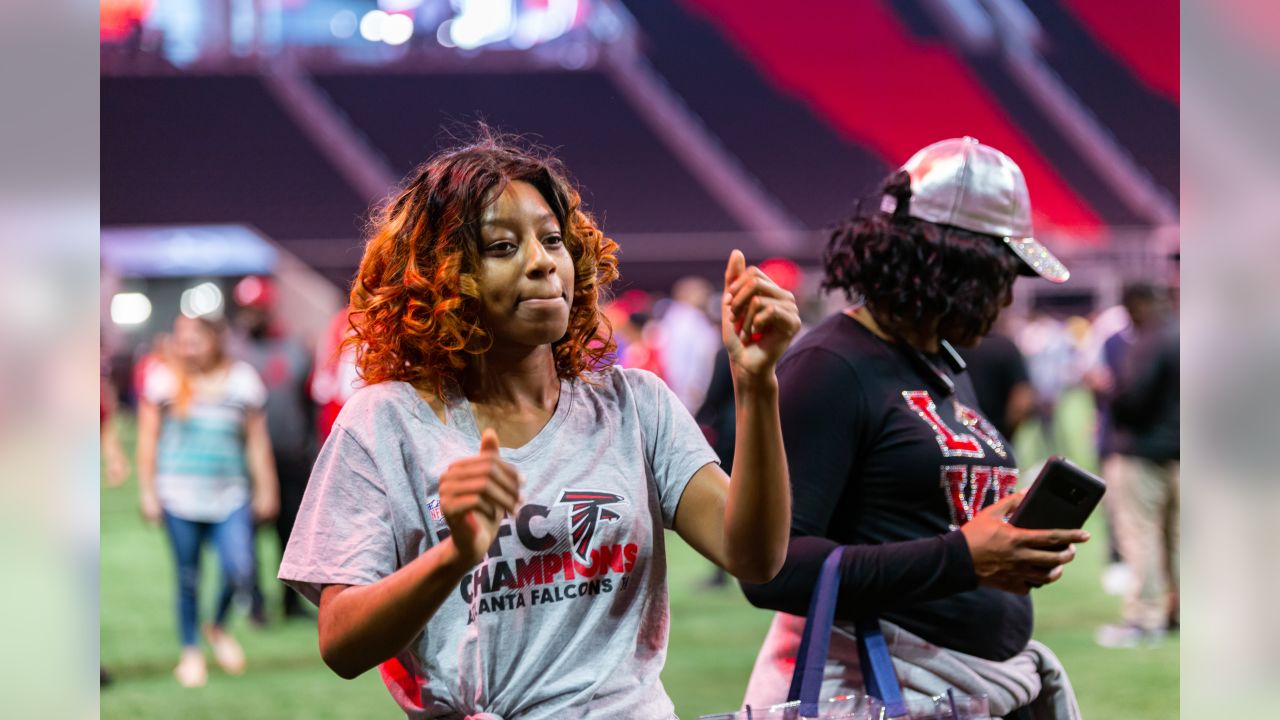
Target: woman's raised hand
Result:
[[475, 494], [758, 319]]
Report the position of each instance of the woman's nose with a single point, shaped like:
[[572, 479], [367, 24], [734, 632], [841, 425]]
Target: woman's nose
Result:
[[539, 261]]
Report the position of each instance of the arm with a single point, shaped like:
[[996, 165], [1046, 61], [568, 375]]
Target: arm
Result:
[[363, 625], [262, 466], [987, 551], [148, 438], [742, 524], [873, 577]]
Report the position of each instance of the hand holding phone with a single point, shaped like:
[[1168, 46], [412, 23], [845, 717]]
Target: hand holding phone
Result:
[[1030, 550]]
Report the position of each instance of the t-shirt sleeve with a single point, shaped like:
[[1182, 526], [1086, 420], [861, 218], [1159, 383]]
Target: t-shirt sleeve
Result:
[[249, 387], [675, 447], [343, 534], [159, 385]]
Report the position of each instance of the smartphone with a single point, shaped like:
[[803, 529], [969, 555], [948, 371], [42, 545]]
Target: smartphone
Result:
[[1062, 497]]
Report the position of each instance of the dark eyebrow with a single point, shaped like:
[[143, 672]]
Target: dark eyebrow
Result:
[[510, 225]]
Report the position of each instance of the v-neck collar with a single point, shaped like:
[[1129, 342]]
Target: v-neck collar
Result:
[[460, 416]]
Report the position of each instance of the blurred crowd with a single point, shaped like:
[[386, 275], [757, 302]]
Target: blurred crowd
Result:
[[233, 407]]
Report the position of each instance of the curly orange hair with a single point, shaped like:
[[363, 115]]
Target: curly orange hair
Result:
[[414, 302]]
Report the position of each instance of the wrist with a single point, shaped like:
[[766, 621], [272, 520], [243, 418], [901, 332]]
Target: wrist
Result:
[[451, 558], [763, 382]]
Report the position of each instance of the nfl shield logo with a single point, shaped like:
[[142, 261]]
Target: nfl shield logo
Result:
[[433, 507]]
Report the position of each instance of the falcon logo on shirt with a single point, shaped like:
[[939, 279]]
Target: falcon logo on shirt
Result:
[[586, 510]]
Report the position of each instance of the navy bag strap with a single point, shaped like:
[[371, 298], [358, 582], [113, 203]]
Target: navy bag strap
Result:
[[811, 659], [877, 667]]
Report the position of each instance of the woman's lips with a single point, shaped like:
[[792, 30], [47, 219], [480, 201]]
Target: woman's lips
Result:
[[542, 302]]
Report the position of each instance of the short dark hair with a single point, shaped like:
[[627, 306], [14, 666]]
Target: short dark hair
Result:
[[915, 275]]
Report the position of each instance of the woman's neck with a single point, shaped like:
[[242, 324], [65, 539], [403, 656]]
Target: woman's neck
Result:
[[514, 379], [864, 316]]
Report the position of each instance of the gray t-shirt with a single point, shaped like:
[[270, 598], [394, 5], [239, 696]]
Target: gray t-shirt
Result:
[[567, 615]]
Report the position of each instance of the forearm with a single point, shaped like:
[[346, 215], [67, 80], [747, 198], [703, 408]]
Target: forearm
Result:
[[148, 439], [146, 468], [364, 625], [758, 510], [262, 472], [874, 577]]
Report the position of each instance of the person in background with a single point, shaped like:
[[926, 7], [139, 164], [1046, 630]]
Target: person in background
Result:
[[117, 467], [284, 366], [1142, 473], [335, 377], [117, 461], [1051, 361], [205, 471], [892, 464], [689, 340], [634, 333], [1000, 380]]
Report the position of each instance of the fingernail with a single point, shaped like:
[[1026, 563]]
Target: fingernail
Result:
[[727, 296]]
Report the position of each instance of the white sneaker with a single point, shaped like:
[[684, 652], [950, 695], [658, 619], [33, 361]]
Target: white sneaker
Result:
[[1117, 579], [226, 651], [191, 671]]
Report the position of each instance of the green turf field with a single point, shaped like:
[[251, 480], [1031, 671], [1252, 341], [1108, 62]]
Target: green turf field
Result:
[[714, 636]]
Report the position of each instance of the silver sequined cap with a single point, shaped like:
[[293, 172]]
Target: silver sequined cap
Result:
[[963, 183]]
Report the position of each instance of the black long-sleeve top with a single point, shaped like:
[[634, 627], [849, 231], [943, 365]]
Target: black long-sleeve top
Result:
[[1145, 404], [889, 469]]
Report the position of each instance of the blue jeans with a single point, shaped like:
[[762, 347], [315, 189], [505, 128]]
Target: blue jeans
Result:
[[233, 539]]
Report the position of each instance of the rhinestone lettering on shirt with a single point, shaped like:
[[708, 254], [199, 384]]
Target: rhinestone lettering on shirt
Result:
[[951, 443], [970, 488], [981, 427]]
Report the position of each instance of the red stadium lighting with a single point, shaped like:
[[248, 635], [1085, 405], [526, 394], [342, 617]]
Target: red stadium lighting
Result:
[[118, 18]]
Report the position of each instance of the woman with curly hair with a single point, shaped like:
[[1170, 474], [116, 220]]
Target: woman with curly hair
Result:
[[902, 472], [489, 509]]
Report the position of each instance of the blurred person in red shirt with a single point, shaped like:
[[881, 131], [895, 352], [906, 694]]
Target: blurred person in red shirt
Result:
[[335, 377]]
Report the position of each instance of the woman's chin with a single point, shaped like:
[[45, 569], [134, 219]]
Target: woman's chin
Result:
[[537, 336]]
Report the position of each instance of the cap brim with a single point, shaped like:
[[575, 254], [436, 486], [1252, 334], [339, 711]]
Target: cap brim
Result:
[[1037, 260]]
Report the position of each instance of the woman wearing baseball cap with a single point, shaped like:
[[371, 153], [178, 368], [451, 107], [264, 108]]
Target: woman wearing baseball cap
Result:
[[891, 460]]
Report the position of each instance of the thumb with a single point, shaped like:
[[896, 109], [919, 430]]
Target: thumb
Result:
[[737, 265], [489, 441], [1007, 504]]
